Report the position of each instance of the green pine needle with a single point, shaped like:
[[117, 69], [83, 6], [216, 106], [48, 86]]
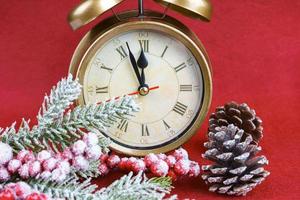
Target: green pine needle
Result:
[[58, 126], [129, 187]]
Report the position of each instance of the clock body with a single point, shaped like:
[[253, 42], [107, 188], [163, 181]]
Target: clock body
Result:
[[178, 75]]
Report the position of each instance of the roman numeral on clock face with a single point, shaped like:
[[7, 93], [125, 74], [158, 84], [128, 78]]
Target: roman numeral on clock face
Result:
[[144, 44], [167, 126], [180, 67], [164, 52], [180, 108], [106, 68], [145, 130], [101, 90], [123, 125], [122, 52], [186, 88]]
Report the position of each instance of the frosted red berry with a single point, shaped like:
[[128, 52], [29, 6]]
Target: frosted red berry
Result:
[[43, 155], [49, 164], [160, 168], [103, 169], [171, 160], [150, 159], [24, 171], [194, 169], [79, 147], [36, 196], [4, 174], [138, 166], [181, 154], [182, 167], [113, 161], [123, 164], [14, 165], [7, 194], [34, 168], [21, 155]]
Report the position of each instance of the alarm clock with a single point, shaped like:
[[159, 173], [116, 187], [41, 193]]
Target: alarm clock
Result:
[[153, 56]]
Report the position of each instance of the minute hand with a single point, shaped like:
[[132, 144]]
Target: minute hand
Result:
[[134, 65]]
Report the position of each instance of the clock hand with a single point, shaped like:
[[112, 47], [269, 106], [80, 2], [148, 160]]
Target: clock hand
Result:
[[132, 94], [138, 92], [134, 65], [143, 64]]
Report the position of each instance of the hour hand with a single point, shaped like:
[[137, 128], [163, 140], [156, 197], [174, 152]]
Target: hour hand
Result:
[[134, 65], [143, 64]]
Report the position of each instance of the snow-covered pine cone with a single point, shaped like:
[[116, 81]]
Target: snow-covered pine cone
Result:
[[241, 115], [236, 170]]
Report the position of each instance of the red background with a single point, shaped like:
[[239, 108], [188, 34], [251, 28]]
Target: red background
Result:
[[254, 46]]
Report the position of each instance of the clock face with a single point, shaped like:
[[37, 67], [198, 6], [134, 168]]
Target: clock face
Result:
[[172, 74]]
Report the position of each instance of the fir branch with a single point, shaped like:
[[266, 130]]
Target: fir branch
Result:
[[71, 188], [138, 187], [128, 187], [58, 128], [60, 98]]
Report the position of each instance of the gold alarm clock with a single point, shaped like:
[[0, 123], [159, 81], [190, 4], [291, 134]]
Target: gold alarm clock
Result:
[[152, 55]]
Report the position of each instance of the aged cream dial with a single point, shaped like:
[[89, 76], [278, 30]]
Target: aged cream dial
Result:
[[172, 74]]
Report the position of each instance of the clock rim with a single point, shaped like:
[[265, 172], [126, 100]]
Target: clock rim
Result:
[[98, 36]]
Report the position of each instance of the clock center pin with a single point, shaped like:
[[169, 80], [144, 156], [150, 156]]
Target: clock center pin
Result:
[[143, 91]]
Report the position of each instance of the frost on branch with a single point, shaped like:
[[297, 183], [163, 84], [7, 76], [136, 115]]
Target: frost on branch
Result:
[[128, 187], [59, 126]]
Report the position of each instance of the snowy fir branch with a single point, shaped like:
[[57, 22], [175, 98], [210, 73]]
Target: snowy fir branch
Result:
[[61, 97], [59, 127], [138, 187], [128, 187]]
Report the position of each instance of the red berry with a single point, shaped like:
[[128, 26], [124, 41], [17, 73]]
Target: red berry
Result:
[[14, 165], [34, 168], [150, 159], [182, 167], [43, 155], [171, 160], [29, 157], [131, 162], [80, 163], [24, 171], [49, 164], [22, 189], [67, 154], [123, 164], [103, 169], [21, 155], [103, 158], [36, 196], [4, 174], [162, 156], [33, 196], [160, 168], [113, 161], [138, 166], [7, 194], [181, 154], [79, 147], [194, 169]]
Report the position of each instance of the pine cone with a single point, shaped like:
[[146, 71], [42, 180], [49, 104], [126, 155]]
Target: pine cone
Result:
[[236, 169], [241, 116]]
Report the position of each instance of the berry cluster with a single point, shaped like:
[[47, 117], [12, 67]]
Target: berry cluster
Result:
[[174, 165], [47, 165], [20, 191]]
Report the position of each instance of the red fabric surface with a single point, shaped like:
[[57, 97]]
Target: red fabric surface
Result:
[[254, 46]]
